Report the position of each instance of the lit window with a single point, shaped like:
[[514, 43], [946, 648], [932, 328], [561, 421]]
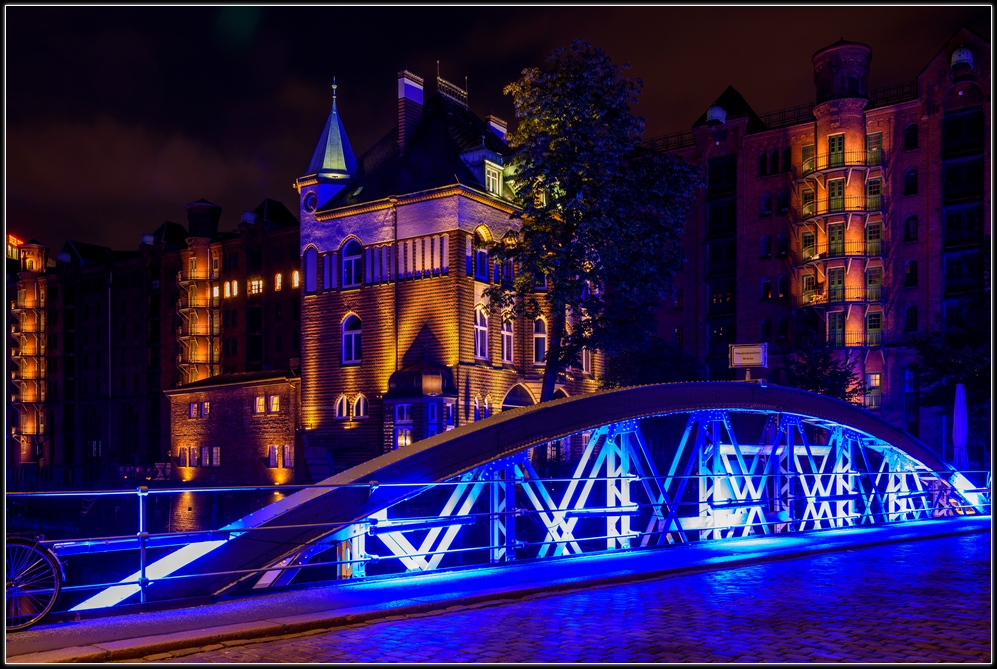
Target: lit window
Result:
[[193, 456], [342, 408], [228, 289], [586, 361], [873, 390], [493, 179], [288, 459], [214, 291], [216, 456], [295, 279], [352, 342], [480, 333], [256, 286], [360, 407], [278, 282], [274, 403], [539, 341], [351, 264], [260, 406], [235, 288], [274, 457], [205, 408], [192, 410], [403, 436], [507, 340]]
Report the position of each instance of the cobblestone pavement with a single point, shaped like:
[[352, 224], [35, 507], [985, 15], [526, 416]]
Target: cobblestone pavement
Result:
[[923, 601]]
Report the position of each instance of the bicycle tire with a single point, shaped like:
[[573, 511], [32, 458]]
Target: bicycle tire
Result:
[[34, 581]]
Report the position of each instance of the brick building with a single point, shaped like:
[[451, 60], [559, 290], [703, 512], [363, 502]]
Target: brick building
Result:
[[859, 219], [397, 342], [96, 336]]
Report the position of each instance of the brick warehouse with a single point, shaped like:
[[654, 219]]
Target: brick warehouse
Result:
[[383, 323], [861, 219], [397, 342]]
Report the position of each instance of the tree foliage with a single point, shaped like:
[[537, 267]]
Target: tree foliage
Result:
[[815, 368], [660, 362], [601, 215]]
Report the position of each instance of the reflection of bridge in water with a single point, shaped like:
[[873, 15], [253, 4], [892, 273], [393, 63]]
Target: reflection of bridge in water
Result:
[[746, 459]]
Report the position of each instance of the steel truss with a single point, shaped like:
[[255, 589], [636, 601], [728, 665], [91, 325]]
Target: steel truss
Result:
[[798, 474]]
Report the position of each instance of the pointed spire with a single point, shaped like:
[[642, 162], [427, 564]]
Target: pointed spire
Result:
[[333, 157]]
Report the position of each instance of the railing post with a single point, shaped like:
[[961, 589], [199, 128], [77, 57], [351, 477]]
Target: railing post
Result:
[[143, 537]]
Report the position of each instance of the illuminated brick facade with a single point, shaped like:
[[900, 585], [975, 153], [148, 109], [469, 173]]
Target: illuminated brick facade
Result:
[[859, 219], [395, 343]]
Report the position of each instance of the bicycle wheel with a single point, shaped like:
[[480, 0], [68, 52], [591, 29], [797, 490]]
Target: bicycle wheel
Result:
[[33, 583]]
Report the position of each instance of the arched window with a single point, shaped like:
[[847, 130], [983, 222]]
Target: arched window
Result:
[[480, 256], [235, 289], [910, 273], [477, 410], [782, 201], [782, 244], [766, 209], [766, 331], [766, 246], [782, 287], [342, 408], [295, 279], [910, 182], [678, 336], [228, 289], [507, 339], [351, 264], [910, 319], [774, 163], [352, 345], [787, 159], [487, 408], [766, 289], [762, 164], [278, 282], [360, 407], [480, 333], [311, 264], [782, 328], [910, 137], [539, 341], [910, 229]]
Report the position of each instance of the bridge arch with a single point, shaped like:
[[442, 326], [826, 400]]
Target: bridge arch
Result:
[[818, 463]]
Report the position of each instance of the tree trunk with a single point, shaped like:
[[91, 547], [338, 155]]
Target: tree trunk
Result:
[[554, 364]]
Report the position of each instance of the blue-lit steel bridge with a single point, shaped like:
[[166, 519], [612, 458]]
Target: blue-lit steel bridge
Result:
[[743, 459]]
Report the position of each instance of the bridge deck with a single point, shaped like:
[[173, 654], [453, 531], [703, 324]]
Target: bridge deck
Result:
[[127, 635]]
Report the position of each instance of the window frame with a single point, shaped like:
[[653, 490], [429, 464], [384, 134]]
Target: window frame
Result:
[[351, 341], [539, 335], [508, 340], [353, 262], [480, 333]]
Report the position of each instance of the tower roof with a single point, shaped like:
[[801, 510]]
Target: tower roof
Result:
[[333, 156]]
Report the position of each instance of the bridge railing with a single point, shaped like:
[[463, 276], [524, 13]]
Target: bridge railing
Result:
[[496, 514]]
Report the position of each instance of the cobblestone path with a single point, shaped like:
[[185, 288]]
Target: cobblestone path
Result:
[[923, 601]]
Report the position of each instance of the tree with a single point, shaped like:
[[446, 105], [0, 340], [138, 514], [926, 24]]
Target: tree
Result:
[[660, 362], [814, 367], [601, 216]]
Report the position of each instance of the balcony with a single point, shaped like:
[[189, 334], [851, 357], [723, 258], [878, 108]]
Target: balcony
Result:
[[834, 161], [834, 205], [186, 302], [837, 295], [199, 331], [184, 278], [850, 339], [198, 359], [825, 250]]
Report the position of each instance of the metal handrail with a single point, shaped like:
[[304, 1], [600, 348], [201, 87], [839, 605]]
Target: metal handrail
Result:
[[830, 161], [825, 250], [834, 205], [835, 295]]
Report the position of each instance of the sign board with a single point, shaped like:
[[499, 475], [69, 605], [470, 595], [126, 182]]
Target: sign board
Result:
[[748, 355]]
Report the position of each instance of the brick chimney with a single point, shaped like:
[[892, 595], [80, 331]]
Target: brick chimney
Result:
[[409, 105], [497, 125]]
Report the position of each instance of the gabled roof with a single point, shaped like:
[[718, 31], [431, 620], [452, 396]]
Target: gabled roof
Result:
[[170, 233], [275, 215], [236, 378], [432, 157], [333, 157], [736, 106], [87, 254]]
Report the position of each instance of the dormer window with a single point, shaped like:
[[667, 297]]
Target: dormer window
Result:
[[493, 178]]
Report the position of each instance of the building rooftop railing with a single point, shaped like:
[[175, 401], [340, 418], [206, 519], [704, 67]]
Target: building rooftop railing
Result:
[[676, 140]]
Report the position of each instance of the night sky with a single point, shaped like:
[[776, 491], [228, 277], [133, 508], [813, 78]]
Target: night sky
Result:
[[117, 117]]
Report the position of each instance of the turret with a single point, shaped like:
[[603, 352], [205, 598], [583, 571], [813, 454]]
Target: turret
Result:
[[331, 167]]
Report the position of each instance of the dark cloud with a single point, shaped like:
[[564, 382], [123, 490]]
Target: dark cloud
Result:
[[117, 117]]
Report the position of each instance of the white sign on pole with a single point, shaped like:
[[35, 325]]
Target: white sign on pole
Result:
[[748, 355]]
